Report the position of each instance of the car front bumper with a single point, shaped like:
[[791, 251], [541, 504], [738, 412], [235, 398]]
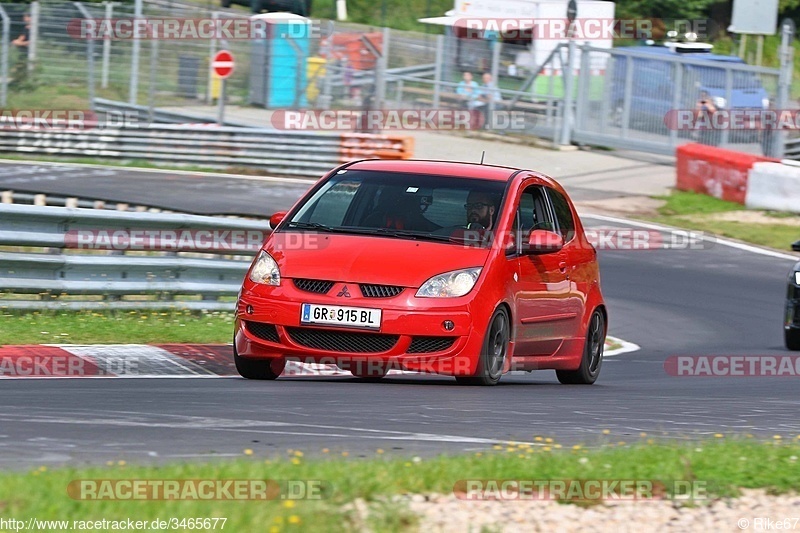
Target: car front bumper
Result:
[[412, 335]]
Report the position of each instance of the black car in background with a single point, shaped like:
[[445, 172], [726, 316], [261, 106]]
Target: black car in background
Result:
[[792, 322], [298, 7]]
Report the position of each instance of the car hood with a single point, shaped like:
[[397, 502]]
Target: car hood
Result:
[[368, 259]]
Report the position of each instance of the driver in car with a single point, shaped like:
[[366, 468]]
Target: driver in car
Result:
[[481, 209]]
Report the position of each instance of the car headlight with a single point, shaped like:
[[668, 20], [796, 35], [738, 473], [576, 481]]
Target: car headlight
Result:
[[719, 101], [450, 284], [797, 278], [265, 270]]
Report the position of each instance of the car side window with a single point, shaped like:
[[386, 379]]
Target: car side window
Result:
[[533, 210], [566, 223], [532, 213]]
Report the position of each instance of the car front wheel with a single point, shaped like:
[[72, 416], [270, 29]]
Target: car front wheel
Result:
[[493, 354], [592, 359], [258, 368]]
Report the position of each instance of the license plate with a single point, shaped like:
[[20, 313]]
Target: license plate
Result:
[[336, 315]]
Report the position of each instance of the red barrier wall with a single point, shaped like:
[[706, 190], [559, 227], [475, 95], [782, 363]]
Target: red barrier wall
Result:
[[715, 171]]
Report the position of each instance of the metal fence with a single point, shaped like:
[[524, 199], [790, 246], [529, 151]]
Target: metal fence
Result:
[[611, 97], [45, 261]]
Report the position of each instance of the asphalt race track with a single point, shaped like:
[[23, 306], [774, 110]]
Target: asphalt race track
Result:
[[718, 300]]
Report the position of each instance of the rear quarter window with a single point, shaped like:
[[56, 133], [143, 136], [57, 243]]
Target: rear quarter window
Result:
[[566, 222]]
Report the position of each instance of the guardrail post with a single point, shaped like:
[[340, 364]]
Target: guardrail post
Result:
[[784, 82], [627, 96], [211, 52], [380, 72], [728, 94], [151, 94], [497, 47], [89, 56], [676, 100], [566, 113], [4, 57], [135, 46], [34, 35], [584, 79], [437, 73], [106, 48]]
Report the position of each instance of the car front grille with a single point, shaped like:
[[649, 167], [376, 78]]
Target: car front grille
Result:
[[430, 344], [313, 285], [379, 291], [267, 332], [342, 341]]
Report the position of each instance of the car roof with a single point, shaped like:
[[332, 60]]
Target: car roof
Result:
[[461, 169], [663, 50]]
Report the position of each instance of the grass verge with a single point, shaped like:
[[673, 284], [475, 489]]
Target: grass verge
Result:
[[724, 464], [138, 327], [700, 212]]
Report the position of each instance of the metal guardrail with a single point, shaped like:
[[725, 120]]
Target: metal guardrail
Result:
[[34, 260], [141, 114], [791, 149], [308, 154]]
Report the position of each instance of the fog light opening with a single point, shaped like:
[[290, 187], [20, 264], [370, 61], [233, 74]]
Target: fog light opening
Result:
[[249, 309], [448, 325]]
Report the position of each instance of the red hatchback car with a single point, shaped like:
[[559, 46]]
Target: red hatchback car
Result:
[[461, 269]]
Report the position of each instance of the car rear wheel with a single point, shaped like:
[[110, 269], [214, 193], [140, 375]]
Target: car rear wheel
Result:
[[792, 338], [592, 359], [493, 354], [258, 368]]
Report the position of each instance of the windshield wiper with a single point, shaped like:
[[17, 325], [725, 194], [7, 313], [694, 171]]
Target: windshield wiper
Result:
[[310, 225]]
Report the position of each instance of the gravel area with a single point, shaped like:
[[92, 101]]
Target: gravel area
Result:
[[748, 512]]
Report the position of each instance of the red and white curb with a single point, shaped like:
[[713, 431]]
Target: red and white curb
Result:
[[152, 361]]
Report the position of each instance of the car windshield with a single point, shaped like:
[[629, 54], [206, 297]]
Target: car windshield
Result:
[[400, 205]]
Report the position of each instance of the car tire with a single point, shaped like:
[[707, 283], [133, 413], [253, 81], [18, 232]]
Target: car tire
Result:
[[592, 358], [262, 369], [792, 339], [493, 353]]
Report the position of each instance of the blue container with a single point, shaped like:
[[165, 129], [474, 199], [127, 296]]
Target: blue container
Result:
[[278, 73]]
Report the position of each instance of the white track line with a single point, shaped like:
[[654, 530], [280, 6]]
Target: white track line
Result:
[[714, 239], [626, 347]]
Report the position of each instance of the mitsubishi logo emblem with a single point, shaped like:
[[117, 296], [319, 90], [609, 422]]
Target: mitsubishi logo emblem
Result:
[[344, 292]]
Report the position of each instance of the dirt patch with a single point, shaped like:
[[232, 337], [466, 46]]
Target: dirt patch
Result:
[[624, 206], [439, 513]]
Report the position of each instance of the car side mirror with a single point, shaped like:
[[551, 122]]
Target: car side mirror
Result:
[[796, 246], [543, 241], [276, 219]]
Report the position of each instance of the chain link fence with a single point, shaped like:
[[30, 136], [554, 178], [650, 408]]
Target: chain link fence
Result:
[[612, 97]]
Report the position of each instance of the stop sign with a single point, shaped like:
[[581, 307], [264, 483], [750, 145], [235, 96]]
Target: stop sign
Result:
[[222, 64]]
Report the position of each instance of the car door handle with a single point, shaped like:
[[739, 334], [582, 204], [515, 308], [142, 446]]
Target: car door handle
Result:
[[562, 267]]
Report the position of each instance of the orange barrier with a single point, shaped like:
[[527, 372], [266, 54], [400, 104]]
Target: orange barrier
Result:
[[715, 171], [368, 145]]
